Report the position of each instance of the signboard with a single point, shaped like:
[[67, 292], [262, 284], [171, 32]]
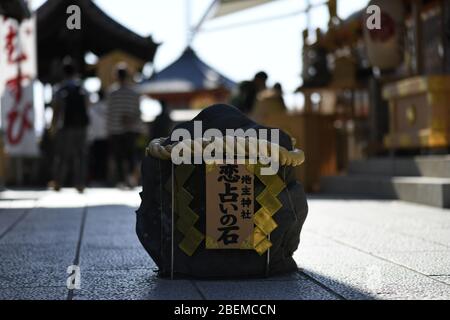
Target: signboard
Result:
[[384, 44], [18, 122], [229, 207], [18, 71]]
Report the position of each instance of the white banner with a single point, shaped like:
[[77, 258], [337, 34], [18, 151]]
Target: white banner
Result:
[[18, 122], [18, 69]]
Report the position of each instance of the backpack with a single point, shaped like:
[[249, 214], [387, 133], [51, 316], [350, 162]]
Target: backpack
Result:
[[74, 109]]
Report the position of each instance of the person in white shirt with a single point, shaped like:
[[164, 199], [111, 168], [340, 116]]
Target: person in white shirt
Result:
[[124, 124]]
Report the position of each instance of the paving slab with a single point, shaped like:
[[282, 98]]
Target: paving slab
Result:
[[8, 217], [115, 259], [370, 258], [367, 226], [351, 249], [133, 285], [110, 242], [39, 293], [445, 279], [38, 250], [264, 290], [33, 279], [110, 226], [43, 226], [35, 257], [356, 275], [427, 262], [34, 265]]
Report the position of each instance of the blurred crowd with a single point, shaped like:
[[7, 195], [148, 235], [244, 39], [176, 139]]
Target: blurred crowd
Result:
[[257, 100], [95, 141], [101, 140]]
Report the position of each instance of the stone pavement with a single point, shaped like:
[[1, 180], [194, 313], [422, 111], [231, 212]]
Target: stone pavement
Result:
[[350, 249]]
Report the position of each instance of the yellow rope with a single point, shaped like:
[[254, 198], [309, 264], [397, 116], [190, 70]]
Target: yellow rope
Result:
[[292, 158], [268, 199]]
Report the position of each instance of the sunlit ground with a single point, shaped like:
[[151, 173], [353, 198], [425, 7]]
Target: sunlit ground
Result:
[[350, 249]]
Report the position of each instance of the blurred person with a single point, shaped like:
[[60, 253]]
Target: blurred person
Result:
[[123, 126], [98, 139], [46, 147], [69, 126], [162, 125], [248, 92], [240, 97], [278, 90], [269, 103], [260, 82]]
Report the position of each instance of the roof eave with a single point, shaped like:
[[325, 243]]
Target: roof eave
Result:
[[16, 9]]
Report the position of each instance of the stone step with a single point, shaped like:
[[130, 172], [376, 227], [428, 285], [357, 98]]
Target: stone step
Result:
[[426, 166], [424, 190]]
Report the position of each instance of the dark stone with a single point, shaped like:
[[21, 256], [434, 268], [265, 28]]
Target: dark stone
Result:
[[154, 215]]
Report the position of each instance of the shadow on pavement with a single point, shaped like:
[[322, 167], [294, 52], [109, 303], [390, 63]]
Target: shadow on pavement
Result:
[[37, 244]]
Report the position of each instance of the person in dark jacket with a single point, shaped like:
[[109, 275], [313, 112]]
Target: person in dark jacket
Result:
[[162, 125], [248, 92], [69, 128]]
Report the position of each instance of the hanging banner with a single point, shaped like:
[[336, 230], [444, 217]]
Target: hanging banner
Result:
[[18, 122], [17, 73], [384, 45]]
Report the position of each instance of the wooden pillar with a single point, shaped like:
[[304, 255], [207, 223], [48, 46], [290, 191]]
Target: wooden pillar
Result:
[[308, 104], [445, 15], [416, 9]]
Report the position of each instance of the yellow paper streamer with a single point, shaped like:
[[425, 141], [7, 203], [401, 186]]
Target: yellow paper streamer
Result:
[[186, 216], [263, 218], [269, 206]]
